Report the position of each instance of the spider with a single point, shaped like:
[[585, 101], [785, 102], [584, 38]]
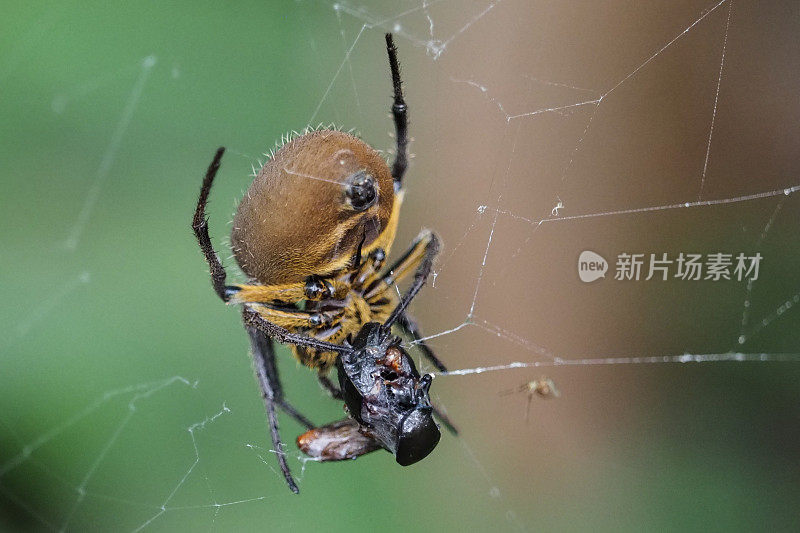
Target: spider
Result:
[[312, 235], [543, 386]]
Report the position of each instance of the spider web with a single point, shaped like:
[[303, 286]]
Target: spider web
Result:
[[540, 130]]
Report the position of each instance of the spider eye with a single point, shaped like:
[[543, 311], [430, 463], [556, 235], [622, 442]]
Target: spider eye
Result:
[[361, 190]]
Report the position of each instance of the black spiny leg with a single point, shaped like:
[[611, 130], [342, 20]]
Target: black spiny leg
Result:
[[400, 114], [409, 326], [332, 389], [267, 353], [270, 390], [253, 320], [200, 228], [445, 420]]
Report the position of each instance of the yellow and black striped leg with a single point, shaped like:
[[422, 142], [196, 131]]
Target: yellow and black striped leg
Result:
[[295, 318], [252, 319], [412, 258], [313, 289], [431, 248], [240, 294], [379, 291], [368, 270]]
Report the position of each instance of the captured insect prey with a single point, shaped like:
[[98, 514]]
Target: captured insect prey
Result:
[[312, 234]]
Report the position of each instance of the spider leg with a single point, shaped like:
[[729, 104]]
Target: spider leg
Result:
[[400, 114], [444, 419], [200, 228], [253, 320], [412, 257], [259, 343], [420, 277], [313, 289], [528, 408], [241, 293], [265, 350], [328, 385], [296, 318], [520, 388], [422, 250], [407, 263], [409, 326]]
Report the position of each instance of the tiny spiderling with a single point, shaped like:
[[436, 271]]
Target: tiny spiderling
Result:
[[543, 387]]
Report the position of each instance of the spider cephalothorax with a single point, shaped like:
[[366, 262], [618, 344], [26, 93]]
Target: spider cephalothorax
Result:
[[312, 234]]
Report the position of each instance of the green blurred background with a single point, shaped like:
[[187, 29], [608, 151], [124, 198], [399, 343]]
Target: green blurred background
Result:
[[127, 393]]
